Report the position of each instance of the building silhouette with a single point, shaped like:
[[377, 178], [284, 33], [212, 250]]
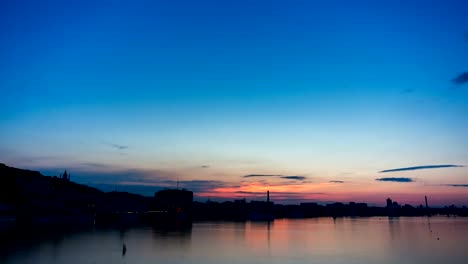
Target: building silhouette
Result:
[[65, 176], [175, 204], [389, 203]]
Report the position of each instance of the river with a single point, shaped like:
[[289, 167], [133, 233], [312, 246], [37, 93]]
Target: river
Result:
[[316, 240]]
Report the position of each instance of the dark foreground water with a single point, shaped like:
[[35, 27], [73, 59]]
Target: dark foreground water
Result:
[[319, 240]]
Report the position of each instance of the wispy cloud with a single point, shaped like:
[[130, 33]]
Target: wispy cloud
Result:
[[101, 173], [202, 185], [278, 193], [290, 177], [423, 167], [456, 185], [149, 188], [119, 147], [205, 166], [395, 179], [261, 175], [337, 181], [145, 182], [461, 79], [299, 178], [94, 165]]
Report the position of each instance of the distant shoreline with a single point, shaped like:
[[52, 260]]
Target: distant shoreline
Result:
[[27, 198]]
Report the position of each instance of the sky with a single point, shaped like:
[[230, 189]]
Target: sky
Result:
[[316, 101]]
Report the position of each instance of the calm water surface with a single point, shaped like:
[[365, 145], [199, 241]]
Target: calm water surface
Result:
[[319, 240]]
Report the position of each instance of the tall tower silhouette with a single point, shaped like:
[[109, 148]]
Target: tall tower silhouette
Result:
[[65, 176], [427, 207]]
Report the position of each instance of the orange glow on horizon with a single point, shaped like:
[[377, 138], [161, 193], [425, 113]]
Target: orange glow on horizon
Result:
[[329, 192]]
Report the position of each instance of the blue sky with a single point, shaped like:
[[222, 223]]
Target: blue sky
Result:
[[214, 90]]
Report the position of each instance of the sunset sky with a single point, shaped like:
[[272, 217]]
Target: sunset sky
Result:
[[315, 101]]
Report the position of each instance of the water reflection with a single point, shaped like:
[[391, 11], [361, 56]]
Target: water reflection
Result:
[[327, 240], [394, 228]]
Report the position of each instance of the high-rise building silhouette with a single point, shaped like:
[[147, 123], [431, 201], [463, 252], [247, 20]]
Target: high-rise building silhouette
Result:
[[389, 203]]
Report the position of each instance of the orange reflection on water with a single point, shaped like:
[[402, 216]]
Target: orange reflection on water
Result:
[[343, 240], [317, 240]]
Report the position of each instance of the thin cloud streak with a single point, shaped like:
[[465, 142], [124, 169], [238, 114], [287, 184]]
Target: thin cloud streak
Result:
[[278, 193], [456, 185], [119, 147], [336, 181], [395, 179], [149, 188], [290, 177], [299, 178], [261, 175], [423, 167]]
